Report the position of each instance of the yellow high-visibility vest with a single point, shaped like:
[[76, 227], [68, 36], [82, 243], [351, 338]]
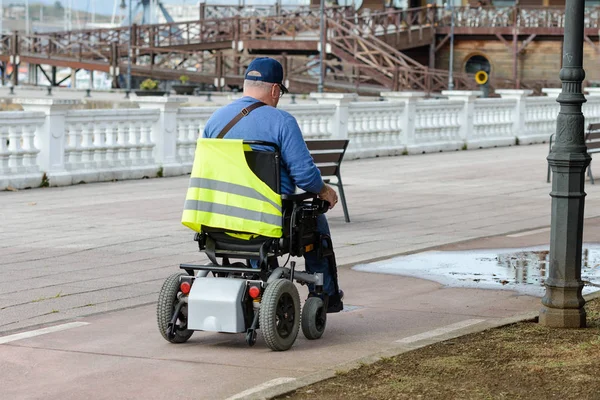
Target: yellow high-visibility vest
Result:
[[224, 192]]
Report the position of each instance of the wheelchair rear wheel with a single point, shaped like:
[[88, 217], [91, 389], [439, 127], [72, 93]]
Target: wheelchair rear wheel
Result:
[[314, 318], [168, 301], [280, 314]]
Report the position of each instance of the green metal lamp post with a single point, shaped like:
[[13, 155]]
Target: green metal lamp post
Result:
[[563, 303]]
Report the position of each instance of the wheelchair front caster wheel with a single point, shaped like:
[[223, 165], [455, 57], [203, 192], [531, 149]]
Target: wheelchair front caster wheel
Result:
[[251, 337], [314, 318]]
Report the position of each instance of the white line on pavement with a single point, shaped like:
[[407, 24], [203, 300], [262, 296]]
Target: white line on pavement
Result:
[[440, 331], [527, 233], [262, 386], [43, 331]]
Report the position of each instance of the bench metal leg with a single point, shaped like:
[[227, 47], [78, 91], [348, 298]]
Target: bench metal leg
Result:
[[341, 187], [590, 173]]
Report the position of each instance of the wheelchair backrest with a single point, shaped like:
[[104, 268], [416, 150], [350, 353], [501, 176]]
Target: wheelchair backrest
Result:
[[264, 161], [235, 187]]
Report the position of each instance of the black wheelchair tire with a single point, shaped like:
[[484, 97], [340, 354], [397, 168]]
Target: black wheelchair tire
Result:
[[314, 318], [279, 316], [167, 300]]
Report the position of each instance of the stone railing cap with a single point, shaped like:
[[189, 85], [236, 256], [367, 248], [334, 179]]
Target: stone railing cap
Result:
[[403, 95], [46, 102], [552, 92], [462, 93], [157, 99], [334, 96], [592, 91], [516, 92]]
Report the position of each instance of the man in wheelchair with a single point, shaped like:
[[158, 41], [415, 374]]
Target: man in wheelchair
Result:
[[262, 121], [241, 201]]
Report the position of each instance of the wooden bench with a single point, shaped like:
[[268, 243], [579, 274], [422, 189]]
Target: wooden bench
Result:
[[328, 156], [592, 142]]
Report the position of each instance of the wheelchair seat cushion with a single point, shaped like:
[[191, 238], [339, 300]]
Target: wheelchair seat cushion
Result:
[[225, 242]]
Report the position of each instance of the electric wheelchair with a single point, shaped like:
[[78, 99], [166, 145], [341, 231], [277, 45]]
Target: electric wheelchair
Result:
[[248, 290]]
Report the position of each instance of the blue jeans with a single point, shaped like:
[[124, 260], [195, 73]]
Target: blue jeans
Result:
[[313, 263]]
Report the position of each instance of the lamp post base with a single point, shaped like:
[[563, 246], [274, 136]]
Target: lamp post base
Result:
[[563, 318]]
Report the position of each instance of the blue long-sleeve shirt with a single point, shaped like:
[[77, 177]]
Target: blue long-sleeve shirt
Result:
[[271, 125]]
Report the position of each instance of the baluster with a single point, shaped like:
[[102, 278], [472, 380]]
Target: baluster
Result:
[[111, 145], [87, 154], [435, 125], [193, 135], [323, 121], [454, 125], [123, 144], [418, 125], [68, 146], [367, 132], [29, 151], [364, 128], [148, 145], [3, 148], [134, 141], [483, 121], [15, 158], [351, 125], [503, 118], [314, 126], [182, 139], [99, 145], [386, 121], [356, 130], [428, 126], [359, 129]]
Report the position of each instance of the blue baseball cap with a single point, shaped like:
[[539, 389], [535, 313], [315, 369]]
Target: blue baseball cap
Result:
[[266, 69]]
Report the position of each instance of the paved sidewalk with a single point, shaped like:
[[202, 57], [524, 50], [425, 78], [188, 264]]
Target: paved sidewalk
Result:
[[71, 252]]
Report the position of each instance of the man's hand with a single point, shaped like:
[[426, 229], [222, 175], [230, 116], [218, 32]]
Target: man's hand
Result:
[[329, 195]]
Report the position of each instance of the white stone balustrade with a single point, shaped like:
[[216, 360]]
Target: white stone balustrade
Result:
[[159, 138], [109, 144], [437, 126], [315, 122], [493, 123], [190, 125], [540, 117], [18, 149], [375, 129]]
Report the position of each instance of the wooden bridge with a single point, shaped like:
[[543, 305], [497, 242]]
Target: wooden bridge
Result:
[[364, 52]]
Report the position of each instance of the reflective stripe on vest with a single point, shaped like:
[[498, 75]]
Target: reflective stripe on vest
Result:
[[224, 192], [237, 212], [213, 184]]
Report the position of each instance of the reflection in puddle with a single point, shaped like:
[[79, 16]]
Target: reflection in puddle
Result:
[[523, 270]]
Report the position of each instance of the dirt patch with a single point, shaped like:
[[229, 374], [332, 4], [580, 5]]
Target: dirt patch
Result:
[[520, 361]]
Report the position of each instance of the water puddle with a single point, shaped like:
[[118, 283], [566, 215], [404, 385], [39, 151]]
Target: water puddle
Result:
[[523, 270]]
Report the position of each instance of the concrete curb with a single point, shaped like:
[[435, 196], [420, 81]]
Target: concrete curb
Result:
[[322, 375]]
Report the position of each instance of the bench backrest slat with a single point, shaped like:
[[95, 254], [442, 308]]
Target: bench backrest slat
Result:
[[319, 144], [328, 170], [593, 127], [321, 158], [592, 137]]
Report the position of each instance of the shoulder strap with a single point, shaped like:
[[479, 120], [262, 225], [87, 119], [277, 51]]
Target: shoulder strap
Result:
[[236, 119]]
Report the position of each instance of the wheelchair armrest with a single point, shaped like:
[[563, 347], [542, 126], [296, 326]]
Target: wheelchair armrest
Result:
[[298, 197]]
